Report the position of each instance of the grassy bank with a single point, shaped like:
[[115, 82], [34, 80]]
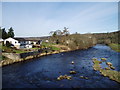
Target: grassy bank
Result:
[[11, 61], [50, 45], [75, 41], [115, 47]]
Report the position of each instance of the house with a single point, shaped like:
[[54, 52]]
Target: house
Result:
[[28, 42], [23, 41], [33, 41], [28, 46], [13, 42]]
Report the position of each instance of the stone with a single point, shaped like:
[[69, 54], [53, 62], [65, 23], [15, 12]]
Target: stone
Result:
[[103, 59], [72, 72]]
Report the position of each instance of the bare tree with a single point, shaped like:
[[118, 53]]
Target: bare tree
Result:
[[65, 31], [51, 33]]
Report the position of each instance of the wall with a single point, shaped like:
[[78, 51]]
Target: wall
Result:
[[16, 56], [12, 55]]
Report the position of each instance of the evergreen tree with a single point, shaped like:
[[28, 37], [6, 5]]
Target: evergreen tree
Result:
[[4, 33], [11, 32]]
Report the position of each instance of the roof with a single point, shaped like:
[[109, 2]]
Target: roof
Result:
[[25, 39], [10, 39], [31, 38]]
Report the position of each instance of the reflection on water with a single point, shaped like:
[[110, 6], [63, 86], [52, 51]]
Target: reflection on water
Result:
[[43, 72]]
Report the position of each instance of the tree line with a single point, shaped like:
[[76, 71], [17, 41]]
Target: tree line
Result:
[[60, 32], [4, 34]]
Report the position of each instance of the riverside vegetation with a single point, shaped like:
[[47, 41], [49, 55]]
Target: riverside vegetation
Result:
[[110, 39], [108, 71]]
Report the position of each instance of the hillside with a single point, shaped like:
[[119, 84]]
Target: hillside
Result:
[[107, 38]]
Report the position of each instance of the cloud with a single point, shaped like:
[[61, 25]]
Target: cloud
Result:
[[38, 19]]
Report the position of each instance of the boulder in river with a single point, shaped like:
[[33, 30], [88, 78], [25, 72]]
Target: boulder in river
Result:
[[109, 63], [112, 67], [107, 68], [72, 72], [103, 59], [94, 58], [83, 77], [64, 77], [72, 62]]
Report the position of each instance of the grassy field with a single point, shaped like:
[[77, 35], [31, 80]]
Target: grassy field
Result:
[[115, 47], [50, 45]]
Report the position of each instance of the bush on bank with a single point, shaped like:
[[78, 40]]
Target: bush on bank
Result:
[[75, 41]]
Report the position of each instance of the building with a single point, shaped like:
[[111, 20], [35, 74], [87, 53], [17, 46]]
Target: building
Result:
[[33, 41], [28, 46], [29, 42], [13, 42], [24, 43]]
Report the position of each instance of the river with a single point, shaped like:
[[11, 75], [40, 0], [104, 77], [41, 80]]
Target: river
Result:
[[43, 72]]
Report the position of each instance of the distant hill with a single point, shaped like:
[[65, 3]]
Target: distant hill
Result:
[[106, 38], [33, 38]]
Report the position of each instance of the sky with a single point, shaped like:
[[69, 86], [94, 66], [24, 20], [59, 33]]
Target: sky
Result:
[[36, 19]]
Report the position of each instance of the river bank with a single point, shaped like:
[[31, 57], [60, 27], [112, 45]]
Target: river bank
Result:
[[115, 47], [64, 48], [11, 61], [17, 57]]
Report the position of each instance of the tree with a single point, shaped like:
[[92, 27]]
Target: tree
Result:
[[11, 32], [4, 33], [51, 33], [54, 34], [65, 31], [58, 32], [8, 44], [57, 42]]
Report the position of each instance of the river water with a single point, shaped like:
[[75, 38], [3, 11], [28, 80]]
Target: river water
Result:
[[43, 72]]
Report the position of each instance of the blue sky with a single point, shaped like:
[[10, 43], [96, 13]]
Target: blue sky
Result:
[[36, 19]]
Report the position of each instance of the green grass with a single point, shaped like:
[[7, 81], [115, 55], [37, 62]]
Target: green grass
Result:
[[19, 51], [55, 48], [115, 47], [7, 49], [49, 45]]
